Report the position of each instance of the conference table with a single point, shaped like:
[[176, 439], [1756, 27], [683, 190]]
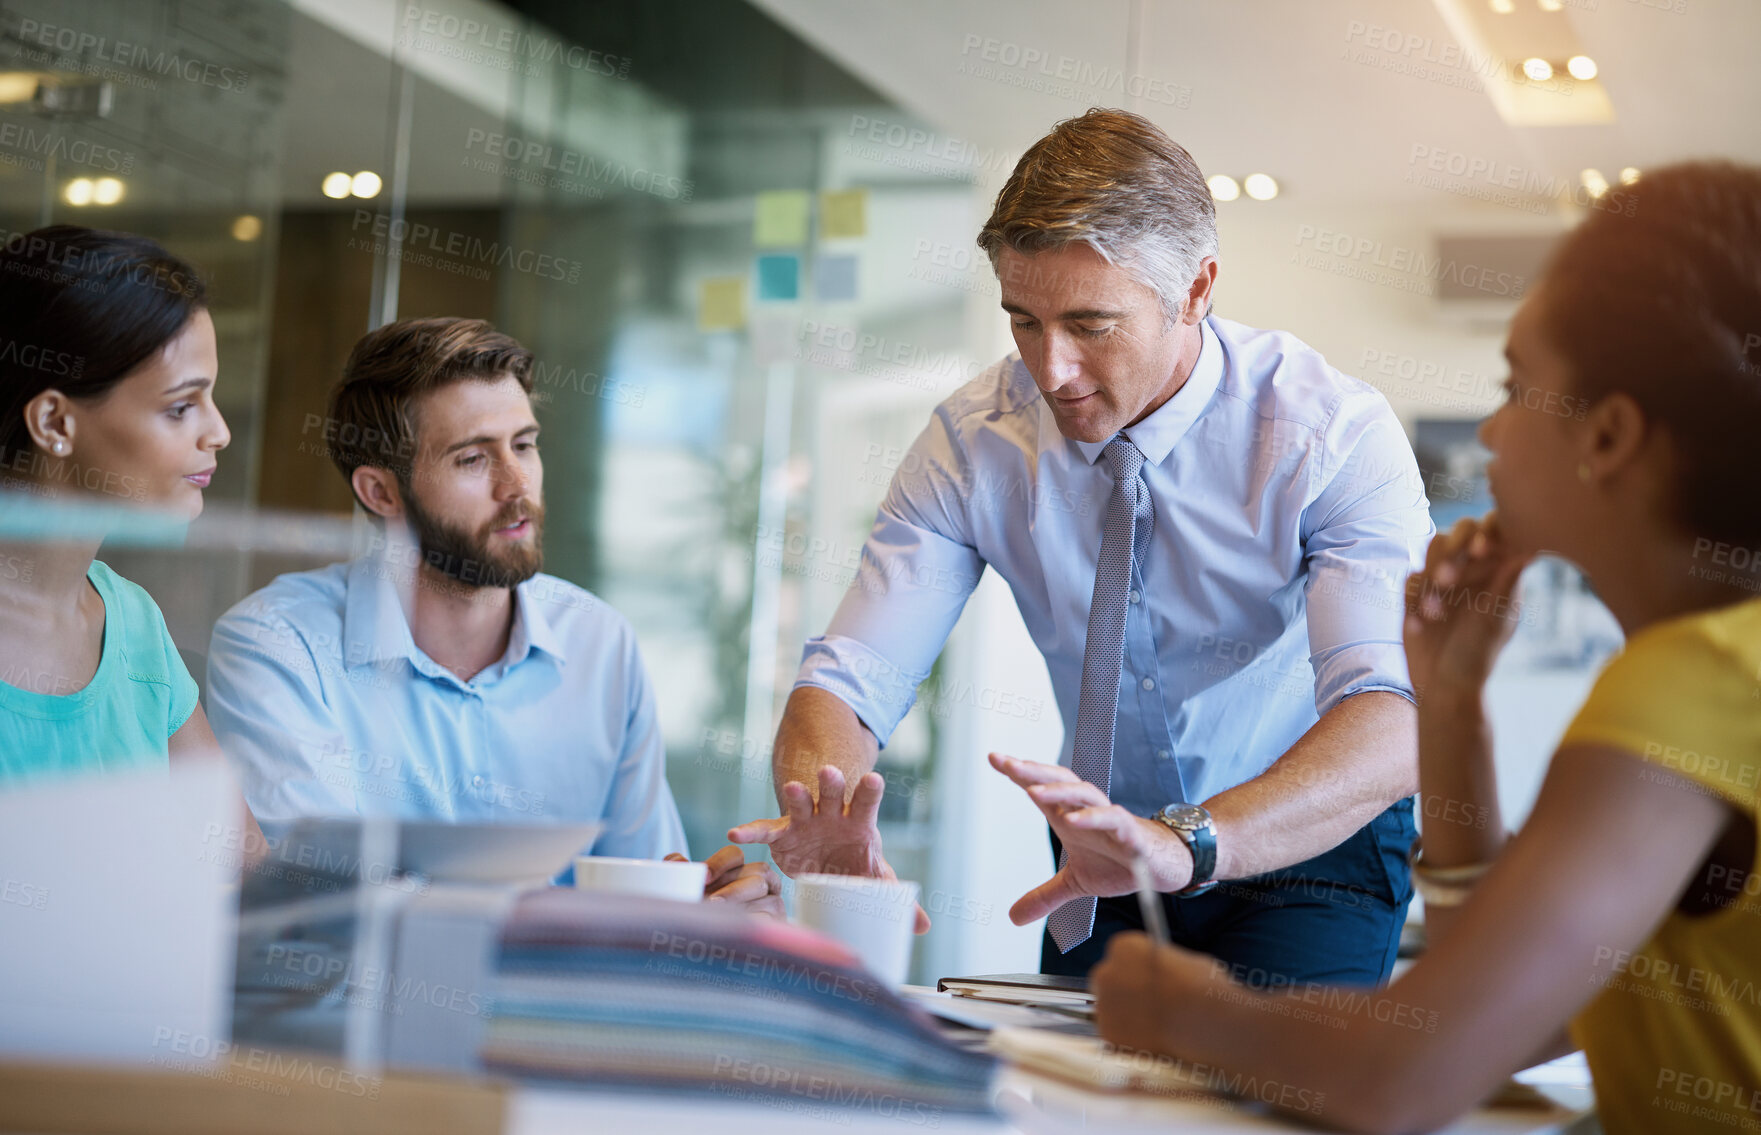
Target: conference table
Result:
[[251, 1098], [1030, 1104]]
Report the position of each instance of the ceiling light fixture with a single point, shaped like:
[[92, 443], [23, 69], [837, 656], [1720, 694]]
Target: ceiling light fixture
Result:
[[1538, 70], [336, 185], [1582, 67], [17, 86], [1260, 187], [1223, 187], [365, 184]]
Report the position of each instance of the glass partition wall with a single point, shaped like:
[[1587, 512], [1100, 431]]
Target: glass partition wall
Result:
[[734, 272], [163, 119]]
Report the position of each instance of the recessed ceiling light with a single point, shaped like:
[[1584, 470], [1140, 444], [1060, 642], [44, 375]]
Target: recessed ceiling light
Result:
[[365, 184], [1629, 176], [18, 86], [78, 192], [1594, 182], [1223, 187], [336, 185], [1538, 70], [1260, 187], [106, 191], [1581, 67], [1550, 5], [1503, 7], [247, 227]]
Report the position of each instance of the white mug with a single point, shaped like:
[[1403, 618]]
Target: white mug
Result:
[[656, 878], [875, 918]]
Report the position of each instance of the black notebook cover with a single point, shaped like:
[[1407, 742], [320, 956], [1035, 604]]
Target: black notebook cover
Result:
[[1054, 981]]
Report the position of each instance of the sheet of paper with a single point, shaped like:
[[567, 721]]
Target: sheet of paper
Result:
[[119, 916]]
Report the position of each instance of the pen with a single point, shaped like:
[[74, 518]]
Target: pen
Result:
[[1150, 903]]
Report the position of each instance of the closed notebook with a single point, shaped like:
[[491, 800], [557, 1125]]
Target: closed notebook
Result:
[[1021, 988]]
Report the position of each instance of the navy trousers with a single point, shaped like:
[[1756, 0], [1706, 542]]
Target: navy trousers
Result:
[[1334, 919]]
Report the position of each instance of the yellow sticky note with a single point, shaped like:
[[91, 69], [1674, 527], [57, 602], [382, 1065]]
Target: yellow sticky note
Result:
[[781, 219], [721, 304], [843, 213]]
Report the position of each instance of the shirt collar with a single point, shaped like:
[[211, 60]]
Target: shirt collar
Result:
[[376, 628], [1157, 435], [532, 631]]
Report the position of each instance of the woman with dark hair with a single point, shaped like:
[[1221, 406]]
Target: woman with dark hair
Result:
[[1625, 917], [107, 372]]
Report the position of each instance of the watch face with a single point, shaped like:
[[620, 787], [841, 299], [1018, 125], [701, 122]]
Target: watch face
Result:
[[1188, 816]]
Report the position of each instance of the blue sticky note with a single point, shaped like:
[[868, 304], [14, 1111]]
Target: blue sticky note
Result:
[[779, 277], [834, 277]]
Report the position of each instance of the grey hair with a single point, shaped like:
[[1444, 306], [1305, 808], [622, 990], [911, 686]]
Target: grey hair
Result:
[[1112, 180]]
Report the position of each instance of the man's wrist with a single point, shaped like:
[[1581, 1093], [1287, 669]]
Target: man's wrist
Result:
[[1174, 863], [1193, 826]]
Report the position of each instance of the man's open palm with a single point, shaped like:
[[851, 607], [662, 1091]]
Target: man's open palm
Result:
[[827, 835]]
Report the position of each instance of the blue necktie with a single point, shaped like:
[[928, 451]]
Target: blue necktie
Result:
[[1129, 520]]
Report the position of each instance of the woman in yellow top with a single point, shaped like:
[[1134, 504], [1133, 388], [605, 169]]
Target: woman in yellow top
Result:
[[1625, 916]]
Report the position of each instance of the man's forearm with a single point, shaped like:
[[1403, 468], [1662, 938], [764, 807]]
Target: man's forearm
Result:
[[1346, 770], [819, 729]]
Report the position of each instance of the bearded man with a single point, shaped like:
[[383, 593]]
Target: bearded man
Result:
[[442, 676]]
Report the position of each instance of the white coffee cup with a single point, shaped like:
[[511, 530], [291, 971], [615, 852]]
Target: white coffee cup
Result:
[[656, 878], [875, 918]]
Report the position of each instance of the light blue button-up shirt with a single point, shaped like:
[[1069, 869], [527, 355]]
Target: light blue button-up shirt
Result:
[[1288, 511], [327, 707]]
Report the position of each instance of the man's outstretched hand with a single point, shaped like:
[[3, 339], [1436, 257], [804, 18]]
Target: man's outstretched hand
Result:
[[827, 836], [1100, 838]]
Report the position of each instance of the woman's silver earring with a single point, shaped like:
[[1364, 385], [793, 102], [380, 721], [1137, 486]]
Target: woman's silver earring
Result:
[[60, 448]]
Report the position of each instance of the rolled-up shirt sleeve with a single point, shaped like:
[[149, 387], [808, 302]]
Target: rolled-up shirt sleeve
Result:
[[918, 569], [1366, 530]]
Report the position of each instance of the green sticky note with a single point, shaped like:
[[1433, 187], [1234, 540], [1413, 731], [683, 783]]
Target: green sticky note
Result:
[[780, 220]]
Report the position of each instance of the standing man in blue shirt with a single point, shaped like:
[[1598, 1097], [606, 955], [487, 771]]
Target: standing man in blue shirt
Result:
[[1207, 530], [442, 676]]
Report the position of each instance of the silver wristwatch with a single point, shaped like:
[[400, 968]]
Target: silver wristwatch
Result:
[[1192, 823]]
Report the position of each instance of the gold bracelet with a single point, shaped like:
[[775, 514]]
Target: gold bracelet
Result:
[[1443, 886]]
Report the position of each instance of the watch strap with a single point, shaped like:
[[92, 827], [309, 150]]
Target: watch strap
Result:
[[1202, 842]]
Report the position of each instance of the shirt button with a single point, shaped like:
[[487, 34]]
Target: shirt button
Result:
[[1161, 754], [1133, 595], [1149, 683], [478, 781]]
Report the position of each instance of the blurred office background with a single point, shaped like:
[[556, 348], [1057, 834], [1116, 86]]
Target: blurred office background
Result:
[[738, 234]]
